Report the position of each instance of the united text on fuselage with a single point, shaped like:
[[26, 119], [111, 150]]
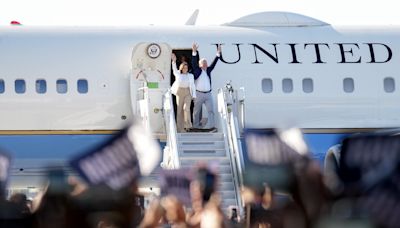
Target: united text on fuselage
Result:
[[347, 53]]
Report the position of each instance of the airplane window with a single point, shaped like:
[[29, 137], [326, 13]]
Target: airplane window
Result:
[[41, 86], [266, 85], [348, 85], [308, 85], [62, 86], [2, 87], [389, 85], [20, 86], [287, 85], [83, 86]]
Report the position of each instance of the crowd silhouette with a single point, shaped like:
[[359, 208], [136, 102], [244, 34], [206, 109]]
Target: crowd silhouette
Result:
[[288, 191]]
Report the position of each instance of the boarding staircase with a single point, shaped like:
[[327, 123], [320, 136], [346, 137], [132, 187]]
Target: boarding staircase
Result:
[[210, 149], [221, 151]]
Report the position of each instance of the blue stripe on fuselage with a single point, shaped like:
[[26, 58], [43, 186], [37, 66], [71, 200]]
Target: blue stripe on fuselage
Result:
[[66, 146], [49, 146]]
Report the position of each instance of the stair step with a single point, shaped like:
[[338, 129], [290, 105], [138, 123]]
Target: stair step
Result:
[[227, 194], [228, 202], [223, 172], [201, 143], [226, 205], [200, 137], [201, 147], [190, 161], [209, 148], [194, 152], [224, 177], [226, 170], [213, 163], [200, 140], [200, 134], [225, 186], [218, 162]]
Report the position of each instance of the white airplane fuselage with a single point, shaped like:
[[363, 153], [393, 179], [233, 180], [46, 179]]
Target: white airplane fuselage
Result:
[[56, 83], [292, 74]]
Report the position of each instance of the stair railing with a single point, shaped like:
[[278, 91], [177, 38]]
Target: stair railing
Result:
[[228, 108], [171, 153]]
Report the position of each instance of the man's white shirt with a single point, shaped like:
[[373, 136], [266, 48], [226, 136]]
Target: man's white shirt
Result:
[[203, 82]]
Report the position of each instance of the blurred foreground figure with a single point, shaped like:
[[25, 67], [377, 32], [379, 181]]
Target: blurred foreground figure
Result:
[[14, 213], [62, 205], [111, 170], [21, 202], [369, 175], [206, 200], [174, 211], [283, 187], [205, 204], [167, 212], [279, 162]]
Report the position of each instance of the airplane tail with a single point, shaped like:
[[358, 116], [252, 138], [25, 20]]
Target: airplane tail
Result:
[[192, 19]]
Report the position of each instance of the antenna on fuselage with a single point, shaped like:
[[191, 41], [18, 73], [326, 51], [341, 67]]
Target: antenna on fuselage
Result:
[[192, 19]]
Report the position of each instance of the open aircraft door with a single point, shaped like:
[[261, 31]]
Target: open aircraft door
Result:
[[150, 79]]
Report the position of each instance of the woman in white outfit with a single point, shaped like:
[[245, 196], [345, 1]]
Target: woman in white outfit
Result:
[[185, 90]]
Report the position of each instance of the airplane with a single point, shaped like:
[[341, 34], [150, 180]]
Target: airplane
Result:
[[78, 85]]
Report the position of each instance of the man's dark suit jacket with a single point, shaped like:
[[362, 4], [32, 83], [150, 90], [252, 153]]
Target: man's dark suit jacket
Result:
[[197, 70]]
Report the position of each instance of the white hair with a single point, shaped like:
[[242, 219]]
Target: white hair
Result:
[[202, 60]]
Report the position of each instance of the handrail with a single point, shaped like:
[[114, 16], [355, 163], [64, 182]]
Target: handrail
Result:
[[230, 126], [241, 112], [236, 128], [143, 104], [171, 158]]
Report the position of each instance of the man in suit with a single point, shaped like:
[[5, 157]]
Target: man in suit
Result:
[[202, 76]]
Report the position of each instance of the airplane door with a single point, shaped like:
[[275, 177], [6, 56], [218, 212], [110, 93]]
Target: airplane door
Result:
[[150, 79]]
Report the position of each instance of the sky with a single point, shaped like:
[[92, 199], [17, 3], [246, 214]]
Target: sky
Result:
[[176, 12]]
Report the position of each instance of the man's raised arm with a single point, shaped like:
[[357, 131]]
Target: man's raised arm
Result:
[[218, 55]]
